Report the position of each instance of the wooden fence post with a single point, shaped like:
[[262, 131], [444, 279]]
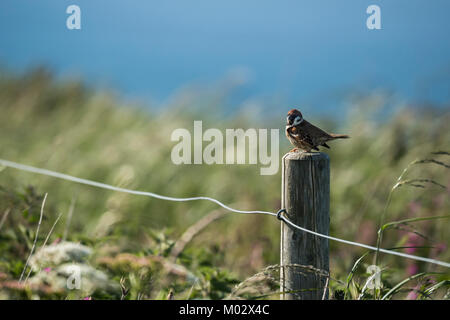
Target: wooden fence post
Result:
[[306, 198]]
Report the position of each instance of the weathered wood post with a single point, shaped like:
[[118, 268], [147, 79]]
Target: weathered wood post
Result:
[[306, 197]]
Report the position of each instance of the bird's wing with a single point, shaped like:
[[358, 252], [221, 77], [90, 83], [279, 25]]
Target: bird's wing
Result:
[[316, 135], [303, 135]]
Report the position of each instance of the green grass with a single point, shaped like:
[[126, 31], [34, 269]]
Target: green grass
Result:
[[392, 176]]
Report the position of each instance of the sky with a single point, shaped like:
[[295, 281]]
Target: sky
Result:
[[307, 52]]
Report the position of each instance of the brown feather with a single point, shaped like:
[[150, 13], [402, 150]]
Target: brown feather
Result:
[[339, 136]]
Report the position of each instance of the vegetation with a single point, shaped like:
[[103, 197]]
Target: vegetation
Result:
[[126, 244]]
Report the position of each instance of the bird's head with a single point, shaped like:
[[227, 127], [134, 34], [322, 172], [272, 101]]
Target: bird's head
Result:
[[294, 118]]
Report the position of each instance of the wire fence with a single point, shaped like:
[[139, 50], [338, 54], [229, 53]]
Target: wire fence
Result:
[[281, 217]]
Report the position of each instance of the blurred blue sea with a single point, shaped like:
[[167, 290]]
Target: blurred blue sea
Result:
[[288, 52]]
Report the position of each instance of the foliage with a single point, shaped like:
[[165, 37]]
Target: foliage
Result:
[[65, 126]]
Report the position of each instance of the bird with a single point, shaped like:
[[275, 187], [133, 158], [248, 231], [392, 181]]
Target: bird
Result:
[[305, 136]]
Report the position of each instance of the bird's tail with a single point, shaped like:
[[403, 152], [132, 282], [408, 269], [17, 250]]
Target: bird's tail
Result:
[[339, 136]]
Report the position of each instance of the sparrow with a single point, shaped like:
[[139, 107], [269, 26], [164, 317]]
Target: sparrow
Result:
[[305, 136]]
